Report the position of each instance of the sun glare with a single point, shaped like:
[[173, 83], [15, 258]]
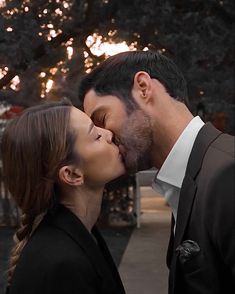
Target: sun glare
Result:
[[98, 47]]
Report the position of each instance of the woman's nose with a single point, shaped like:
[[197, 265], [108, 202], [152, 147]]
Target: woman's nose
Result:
[[108, 135]]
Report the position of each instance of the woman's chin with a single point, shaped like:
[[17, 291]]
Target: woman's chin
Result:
[[122, 173], [123, 170], [118, 175]]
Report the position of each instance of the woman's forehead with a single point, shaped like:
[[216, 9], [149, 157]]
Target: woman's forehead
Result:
[[79, 120]]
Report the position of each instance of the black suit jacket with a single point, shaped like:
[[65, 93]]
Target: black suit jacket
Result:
[[62, 257], [201, 256]]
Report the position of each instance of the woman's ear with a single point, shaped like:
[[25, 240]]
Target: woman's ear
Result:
[[142, 88], [70, 175]]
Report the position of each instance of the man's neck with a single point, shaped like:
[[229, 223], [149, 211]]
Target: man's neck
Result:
[[166, 133]]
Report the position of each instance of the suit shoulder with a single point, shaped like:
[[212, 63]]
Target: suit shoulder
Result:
[[219, 156], [224, 144]]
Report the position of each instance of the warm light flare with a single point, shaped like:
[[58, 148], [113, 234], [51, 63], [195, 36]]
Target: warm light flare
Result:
[[59, 11], [98, 47], [15, 83], [49, 85], [42, 74], [66, 4], [3, 72], [46, 87], [85, 54], [53, 70], [53, 33], [50, 26], [69, 52]]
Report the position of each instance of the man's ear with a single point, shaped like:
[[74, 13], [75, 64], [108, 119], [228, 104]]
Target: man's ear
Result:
[[142, 88], [70, 175]]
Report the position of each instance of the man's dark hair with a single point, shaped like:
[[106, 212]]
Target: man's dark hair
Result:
[[115, 76]]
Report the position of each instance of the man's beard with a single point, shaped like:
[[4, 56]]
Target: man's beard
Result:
[[136, 137]]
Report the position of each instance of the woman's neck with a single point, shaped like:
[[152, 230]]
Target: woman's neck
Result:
[[85, 203]]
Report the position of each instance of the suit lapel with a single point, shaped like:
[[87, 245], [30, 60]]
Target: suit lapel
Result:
[[187, 194], [204, 139]]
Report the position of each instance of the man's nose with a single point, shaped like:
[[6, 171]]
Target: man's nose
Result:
[[109, 136]]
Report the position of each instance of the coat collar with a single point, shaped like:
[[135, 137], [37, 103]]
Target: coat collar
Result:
[[97, 253]]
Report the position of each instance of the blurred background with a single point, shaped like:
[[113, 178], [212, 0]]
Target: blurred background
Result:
[[46, 45]]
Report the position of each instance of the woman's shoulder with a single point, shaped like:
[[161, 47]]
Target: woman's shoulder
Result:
[[48, 240], [60, 238], [51, 258], [50, 248]]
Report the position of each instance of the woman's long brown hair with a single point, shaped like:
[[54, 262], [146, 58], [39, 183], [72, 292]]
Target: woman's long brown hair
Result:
[[34, 147]]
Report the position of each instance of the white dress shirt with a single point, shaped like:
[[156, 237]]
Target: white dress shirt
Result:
[[168, 180]]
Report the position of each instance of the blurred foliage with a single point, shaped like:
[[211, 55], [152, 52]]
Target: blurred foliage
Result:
[[34, 36]]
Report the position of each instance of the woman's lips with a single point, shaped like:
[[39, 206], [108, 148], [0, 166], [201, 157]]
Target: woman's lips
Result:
[[122, 150]]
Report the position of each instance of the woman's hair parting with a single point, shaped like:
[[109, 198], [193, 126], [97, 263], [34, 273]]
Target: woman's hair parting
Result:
[[34, 146]]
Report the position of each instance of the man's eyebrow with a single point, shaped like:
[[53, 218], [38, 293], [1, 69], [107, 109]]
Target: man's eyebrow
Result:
[[91, 126]]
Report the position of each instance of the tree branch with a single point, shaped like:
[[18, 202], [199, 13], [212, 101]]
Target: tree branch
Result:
[[41, 50]]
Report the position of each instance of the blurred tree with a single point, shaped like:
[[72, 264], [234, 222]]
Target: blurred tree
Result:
[[46, 45]]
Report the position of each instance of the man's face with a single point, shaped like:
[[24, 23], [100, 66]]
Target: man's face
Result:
[[132, 132]]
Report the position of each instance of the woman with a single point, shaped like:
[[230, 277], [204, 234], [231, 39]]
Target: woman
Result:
[[56, 163]]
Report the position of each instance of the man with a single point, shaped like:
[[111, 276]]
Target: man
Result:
[[142, 98]]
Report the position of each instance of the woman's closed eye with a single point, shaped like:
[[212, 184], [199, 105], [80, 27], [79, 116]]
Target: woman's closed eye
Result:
[[98, 137]]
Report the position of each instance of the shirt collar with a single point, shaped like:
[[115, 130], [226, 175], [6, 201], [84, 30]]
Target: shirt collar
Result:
[[174, 167]]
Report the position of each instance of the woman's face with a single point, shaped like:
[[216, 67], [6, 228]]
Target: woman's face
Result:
[[100, 159]]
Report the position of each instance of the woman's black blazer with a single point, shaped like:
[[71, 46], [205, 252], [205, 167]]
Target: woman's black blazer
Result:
[[62, 257]]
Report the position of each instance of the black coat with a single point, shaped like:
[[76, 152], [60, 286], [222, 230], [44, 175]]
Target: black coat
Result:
[[201, 256], [62, 257]]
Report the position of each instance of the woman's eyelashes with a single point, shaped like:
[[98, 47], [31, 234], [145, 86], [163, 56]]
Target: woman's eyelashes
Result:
[[98, 137]]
